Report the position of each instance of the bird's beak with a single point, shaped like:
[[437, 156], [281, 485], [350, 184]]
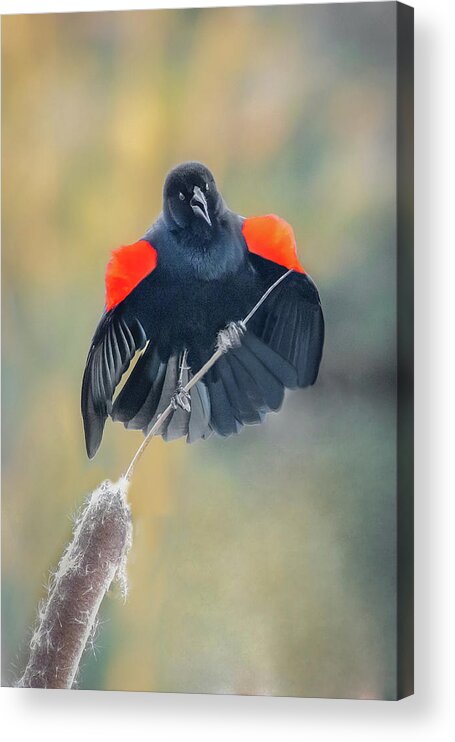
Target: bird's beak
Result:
[[199, 205]]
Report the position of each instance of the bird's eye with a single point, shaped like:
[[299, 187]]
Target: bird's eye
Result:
[[206, 186], [181, 196]]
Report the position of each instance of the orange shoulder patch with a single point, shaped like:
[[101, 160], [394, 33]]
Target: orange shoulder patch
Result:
[[128, 266], [272, 238]]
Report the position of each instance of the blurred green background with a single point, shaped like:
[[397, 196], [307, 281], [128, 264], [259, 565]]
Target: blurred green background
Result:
[[263, 563]]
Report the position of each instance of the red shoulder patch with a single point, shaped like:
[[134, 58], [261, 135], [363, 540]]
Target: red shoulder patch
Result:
[[128, 266], [272, 238]]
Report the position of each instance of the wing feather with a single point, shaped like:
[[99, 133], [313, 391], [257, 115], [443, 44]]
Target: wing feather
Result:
[[113, 347], [291, 321]]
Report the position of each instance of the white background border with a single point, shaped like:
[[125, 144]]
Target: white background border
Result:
[[54, 715]]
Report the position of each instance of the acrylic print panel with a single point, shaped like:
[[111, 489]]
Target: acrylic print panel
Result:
[[272, 554]]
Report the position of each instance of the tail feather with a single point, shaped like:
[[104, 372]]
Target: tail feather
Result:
[[246, 383], [178, 422], [244, 408], [148, 391], [276, 364], [270, 388], [199, 422], [167, 390], [222, 417]]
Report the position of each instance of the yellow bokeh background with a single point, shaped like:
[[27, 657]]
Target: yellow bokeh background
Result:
[[264, 563]]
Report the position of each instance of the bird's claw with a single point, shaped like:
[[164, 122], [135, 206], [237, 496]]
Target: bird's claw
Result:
[[181, 398], [231, 336]]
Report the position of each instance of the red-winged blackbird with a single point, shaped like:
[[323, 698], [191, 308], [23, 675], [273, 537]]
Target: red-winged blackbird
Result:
[[198, 270]]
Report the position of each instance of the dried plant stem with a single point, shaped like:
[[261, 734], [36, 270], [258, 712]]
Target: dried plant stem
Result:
[[194, 380], [94, 558]]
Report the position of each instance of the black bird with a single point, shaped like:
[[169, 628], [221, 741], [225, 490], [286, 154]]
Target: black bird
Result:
[[178, 292]]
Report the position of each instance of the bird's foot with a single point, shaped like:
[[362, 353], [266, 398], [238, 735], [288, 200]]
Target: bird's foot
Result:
[[231, 336], [181, 398]]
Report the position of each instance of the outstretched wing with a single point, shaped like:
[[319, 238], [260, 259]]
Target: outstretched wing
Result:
[[117, 338], [290, 321]]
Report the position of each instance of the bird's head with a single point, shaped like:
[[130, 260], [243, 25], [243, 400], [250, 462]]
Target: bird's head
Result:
[[191, 199]]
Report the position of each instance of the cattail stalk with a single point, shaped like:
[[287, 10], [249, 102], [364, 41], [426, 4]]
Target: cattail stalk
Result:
[[93, 559]]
